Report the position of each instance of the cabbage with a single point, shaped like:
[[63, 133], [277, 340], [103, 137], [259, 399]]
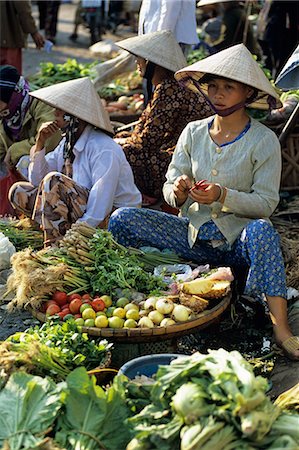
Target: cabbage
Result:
[[189, 403]]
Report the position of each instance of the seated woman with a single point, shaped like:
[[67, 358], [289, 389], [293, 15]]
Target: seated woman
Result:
[[150, 146], [21, 117], [224, 219], [86, 176]]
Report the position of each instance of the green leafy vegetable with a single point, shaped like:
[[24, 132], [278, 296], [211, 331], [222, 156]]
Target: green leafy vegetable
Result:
[[29, 405], [115, 267]]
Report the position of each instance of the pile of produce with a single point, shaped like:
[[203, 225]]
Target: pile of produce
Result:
[[122, 85], [51, 73], [125, 105], [210, 402], [201, 402], [21, 233], [54, 349], [99, 283]]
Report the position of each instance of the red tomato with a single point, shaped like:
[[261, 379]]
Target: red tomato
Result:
[[60, 297], [52, 309], [77, 316], [73, 296], [98, 304], [50, 302], [86, 297], [66, 306], [86, 301], [75, 305]]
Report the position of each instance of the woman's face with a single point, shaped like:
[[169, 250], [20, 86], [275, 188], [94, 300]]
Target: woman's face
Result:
[[224, 93], [59, 118], [4, 111], [141, 65]]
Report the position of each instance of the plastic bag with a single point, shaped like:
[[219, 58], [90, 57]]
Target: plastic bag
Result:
[[7, 249], [173, 272], [7, 178]]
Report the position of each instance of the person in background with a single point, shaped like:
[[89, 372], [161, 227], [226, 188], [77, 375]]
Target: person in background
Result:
[[150, 146], [177, 16], [277, 19], [16, 22], [225, 177], [48, 16], [235, 22], [212, 27], [21, 118], [86, 176]]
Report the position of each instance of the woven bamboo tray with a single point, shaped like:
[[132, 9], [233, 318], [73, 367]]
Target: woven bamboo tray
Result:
[[134, 335]]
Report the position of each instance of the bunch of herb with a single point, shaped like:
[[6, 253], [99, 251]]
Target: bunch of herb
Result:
[[116, 267], [56, 348], [20, 234]]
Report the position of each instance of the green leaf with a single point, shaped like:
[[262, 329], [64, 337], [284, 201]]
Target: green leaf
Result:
[[29, 405]]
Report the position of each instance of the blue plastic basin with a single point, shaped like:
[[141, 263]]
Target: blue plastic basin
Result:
[[147, 365]]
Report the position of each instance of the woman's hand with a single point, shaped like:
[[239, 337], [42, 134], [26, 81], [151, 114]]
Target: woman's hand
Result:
[[208, 195], [45, 132], [181, 188]]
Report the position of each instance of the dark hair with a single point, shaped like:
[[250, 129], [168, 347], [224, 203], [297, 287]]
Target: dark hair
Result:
[[209, 77]]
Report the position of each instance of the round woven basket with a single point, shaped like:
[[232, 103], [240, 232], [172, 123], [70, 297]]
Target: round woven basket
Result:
[[134, 335]]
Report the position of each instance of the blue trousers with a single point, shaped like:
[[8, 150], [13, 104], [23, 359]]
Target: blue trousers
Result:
[[256, 250]]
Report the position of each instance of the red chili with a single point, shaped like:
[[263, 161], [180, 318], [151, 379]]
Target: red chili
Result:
[[200, 185]]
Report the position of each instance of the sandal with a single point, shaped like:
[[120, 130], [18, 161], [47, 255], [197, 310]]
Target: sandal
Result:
[[287, 348]]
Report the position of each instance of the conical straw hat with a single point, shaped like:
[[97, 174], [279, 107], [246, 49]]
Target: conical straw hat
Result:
[[235, 63], [159, 47], [288, 78], [79, 98]]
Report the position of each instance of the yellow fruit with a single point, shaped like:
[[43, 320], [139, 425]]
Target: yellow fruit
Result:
[[101, 313], [115, 322], [130, 323], [107, 300], [88, 313], [119, 312], [131, 306], [132, 314], [101, 322], [89, 323]]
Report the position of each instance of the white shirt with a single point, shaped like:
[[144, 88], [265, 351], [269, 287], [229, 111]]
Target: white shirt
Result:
[[100, 166], [175, 15]]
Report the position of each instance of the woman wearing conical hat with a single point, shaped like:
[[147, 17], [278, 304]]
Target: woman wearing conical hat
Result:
[[86, 176], [224, 176], [150, 146]]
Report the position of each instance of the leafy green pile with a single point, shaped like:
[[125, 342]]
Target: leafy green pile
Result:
[[80, 414], [20, 234], [116, 267], [211, 402], [51, 73], [196, 55], [54, 349]]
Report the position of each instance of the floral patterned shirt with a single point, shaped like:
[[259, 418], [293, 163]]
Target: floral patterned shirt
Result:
[[150, 146]]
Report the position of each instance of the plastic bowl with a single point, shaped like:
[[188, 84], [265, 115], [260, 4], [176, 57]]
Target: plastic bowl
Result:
[[147, 365]]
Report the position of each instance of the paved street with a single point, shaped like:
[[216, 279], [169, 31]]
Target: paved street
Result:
[[64, 47]]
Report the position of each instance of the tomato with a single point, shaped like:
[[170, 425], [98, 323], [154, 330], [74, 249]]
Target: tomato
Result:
[[75, 305], [98, 304], [50, 302], [60, 297], [73, 296], [52, 309], [77, 316], [66, 306], [86, 297]]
